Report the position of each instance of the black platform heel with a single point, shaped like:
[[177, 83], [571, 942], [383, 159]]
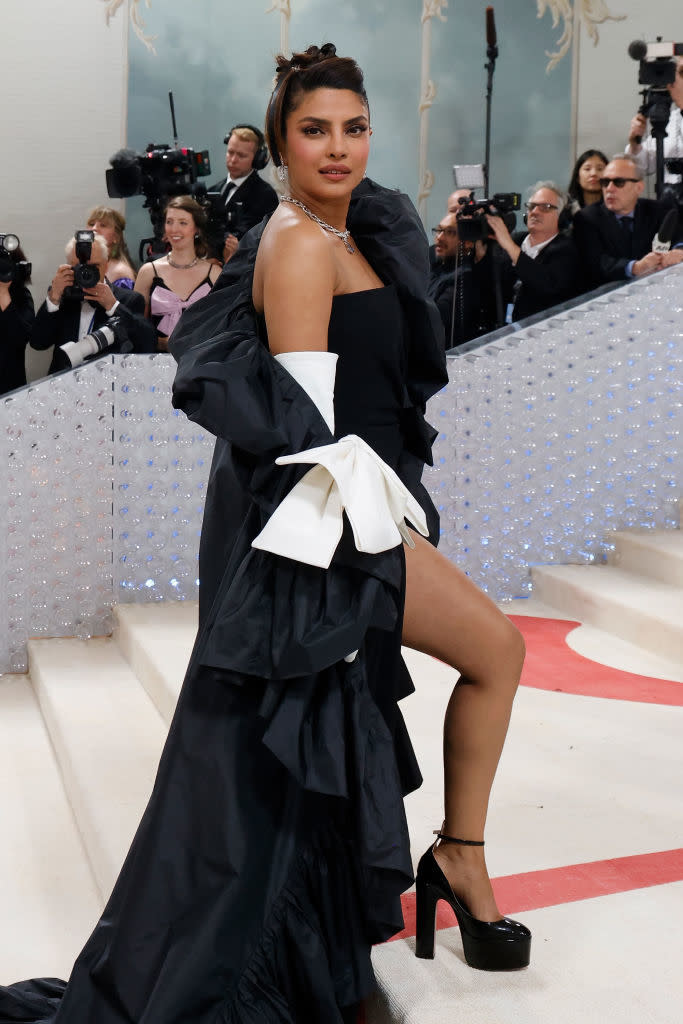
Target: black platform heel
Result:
[[503, 945]]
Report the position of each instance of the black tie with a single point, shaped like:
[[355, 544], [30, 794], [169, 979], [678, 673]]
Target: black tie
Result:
[[626, 227], [227, 190]]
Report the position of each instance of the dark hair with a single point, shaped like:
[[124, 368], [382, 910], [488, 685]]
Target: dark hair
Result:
[[315, 68], [191, 206], [574, 190]]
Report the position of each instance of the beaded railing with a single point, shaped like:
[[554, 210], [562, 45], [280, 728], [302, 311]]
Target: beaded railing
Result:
[[549, 439]]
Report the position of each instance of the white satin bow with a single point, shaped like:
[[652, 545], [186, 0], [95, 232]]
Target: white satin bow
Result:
[[346, 476]]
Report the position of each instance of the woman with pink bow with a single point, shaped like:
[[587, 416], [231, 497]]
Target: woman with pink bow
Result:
[[184, 274]]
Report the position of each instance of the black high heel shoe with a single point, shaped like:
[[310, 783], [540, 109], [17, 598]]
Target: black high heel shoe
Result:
[[503, 945]]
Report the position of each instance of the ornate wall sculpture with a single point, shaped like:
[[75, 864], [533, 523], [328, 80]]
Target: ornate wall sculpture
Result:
[[285, 10], [136, 20], [591, 12], [430, 9]]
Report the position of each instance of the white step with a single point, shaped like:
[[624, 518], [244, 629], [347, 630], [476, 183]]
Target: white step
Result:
[[48, 895], [107, 736], [646, 612], [156, 641], [656, 554]]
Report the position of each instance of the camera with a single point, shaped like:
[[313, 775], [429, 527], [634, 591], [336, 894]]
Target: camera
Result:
[[472, 223], [74, 353], [657, 70], [158, 173], [86, 274], [12, 270]]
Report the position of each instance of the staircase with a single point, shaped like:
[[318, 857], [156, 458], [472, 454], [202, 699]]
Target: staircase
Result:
[[80, 739]]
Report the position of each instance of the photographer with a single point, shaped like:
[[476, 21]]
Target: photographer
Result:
[[246, 197], [544, 269], [16, 313], [616, 238], [642, 147], [460, 283], [80, 300]]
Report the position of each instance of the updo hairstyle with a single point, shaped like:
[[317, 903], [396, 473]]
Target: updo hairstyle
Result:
[[315, 68], [191, 206]]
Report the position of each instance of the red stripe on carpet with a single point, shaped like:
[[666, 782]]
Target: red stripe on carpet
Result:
[[552, 665], [555, 886]]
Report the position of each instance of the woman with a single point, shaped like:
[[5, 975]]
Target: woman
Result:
[[584, 185], [274, 850], [16, 318], [111, 224], [184, 275]]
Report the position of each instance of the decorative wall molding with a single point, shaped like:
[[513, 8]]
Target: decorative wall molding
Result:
[[284, 8], [136, 19], [430, 9], [591, 12]]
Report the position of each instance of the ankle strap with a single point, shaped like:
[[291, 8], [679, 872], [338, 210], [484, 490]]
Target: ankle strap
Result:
[[461, 842]]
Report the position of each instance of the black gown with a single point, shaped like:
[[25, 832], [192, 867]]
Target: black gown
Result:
[[274, 848]]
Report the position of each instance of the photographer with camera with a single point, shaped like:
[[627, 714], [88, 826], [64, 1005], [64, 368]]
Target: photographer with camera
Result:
[[642, 146], [460, 281], [623, 236], [81, 301], [244, 197], [544, 268], [16, 313]]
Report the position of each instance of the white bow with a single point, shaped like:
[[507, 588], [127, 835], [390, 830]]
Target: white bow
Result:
[[346, 476]]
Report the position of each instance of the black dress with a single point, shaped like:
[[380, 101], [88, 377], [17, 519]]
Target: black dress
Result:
[[274, 848]]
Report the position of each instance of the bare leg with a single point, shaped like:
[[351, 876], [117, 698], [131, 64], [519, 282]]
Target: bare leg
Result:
[[447, 616]]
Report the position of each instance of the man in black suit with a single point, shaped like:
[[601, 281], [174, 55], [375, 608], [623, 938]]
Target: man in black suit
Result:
[[615, 237], [544, 269], [247, 197], [62, 319]]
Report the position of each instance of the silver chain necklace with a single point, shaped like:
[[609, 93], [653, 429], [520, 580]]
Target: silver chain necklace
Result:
[[182, 266], [344, 235]]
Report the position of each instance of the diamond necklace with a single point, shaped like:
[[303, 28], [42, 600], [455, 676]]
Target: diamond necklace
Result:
[[344, 235], [181, 266]]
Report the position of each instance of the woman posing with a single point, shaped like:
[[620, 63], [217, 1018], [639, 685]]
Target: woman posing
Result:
[[111, 224], [274, 849], [184, 274]]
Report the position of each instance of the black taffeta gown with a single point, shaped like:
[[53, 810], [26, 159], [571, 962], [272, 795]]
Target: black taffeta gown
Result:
[[274, 849]]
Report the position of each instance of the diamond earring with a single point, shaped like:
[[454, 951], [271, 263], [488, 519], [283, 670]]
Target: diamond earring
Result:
[[282, 172]]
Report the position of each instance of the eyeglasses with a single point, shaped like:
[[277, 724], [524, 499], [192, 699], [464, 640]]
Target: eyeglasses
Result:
[[543, 207], [451, 232], [617, 182]]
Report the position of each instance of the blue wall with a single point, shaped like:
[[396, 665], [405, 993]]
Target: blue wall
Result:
[[217, 57]]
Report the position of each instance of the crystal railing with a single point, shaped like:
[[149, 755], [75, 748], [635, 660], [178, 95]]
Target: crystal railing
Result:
[[550, 437]]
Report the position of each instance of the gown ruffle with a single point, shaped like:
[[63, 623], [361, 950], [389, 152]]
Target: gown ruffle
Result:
[[274, 848]]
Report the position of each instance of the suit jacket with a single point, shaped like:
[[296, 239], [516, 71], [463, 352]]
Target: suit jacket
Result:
[[605, 249], [537, 284], [257, 197], [62, 326]]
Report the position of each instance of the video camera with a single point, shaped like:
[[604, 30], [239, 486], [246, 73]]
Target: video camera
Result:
[[12, 270], [86, 274], [472, 223], [657, 70], [160, 172]]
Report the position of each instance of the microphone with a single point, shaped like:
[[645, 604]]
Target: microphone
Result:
[[637, 49], [491, 39], [662, 240]]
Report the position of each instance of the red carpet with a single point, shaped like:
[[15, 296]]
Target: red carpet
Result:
[[552, 665]]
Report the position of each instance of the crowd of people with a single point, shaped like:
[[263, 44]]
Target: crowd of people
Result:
[[140, 307], [599, 229]]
